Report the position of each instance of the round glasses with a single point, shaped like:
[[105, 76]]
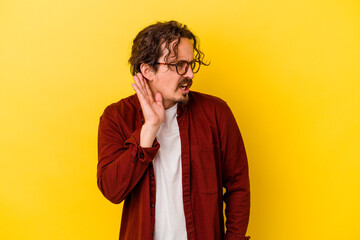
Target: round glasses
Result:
[[183, 66]]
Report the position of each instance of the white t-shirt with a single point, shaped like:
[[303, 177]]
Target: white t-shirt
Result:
[[169, 209]]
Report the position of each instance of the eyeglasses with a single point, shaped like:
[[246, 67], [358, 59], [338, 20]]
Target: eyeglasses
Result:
[[183, 66]]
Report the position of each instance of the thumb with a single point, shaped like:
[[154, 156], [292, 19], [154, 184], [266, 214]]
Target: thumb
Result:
[[158, 99]]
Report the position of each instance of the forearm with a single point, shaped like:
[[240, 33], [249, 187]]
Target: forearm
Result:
[[235, 177], [122, 161], [237, 195], [117, 178], [237, 201], [148, 134]]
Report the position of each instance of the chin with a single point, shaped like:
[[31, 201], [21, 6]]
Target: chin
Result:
[[183, 100]]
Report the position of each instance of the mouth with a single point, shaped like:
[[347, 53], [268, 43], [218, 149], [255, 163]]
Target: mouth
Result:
[[185, 85]]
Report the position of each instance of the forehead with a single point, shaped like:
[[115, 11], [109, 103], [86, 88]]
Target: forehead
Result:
[[185, 50]]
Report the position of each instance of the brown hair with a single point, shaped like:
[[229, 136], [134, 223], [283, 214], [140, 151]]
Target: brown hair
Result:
[[147, 44]]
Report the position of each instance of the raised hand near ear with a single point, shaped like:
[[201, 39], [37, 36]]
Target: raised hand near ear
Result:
[[153, 110]]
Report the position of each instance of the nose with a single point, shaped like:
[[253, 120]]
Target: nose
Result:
[[189, 73]]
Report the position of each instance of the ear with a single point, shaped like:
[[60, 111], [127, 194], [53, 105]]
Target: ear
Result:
[[147, 71]]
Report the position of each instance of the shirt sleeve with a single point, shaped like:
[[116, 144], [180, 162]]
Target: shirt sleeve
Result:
[[235, 177], [121, 161]]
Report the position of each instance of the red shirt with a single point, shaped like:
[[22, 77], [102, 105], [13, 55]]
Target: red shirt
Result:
[[212, 154]]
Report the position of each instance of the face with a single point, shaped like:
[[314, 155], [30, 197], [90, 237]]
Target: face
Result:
[[173, 87]]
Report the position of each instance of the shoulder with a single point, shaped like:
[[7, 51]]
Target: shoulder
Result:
[[206, 101], [202, 98], [208, 107], [125, 107]]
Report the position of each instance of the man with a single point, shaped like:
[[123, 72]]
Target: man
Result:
[[168, 151]]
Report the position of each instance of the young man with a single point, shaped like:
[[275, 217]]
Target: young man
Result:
[[168, 151]]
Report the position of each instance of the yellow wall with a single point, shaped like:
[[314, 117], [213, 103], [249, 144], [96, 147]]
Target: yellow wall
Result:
[[290, 71]]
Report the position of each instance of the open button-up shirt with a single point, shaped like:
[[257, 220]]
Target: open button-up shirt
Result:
[[212, 155]]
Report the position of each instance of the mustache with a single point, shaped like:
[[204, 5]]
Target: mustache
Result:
[[185, 81]]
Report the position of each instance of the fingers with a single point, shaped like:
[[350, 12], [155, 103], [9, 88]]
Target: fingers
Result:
[[139, 94], [141, 89], [142, 79], [153, 110], [149, 93], [159, 99]]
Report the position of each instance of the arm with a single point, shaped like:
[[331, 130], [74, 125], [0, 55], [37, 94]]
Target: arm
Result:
[[122, 162], [235, 177]]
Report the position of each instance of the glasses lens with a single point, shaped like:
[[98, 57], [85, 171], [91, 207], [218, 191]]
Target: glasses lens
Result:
[[195, 66], [182, 67]]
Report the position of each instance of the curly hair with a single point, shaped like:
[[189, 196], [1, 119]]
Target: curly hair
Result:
[[147, 45]]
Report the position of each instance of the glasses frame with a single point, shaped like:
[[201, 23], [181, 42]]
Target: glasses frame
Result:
[[186, 68]]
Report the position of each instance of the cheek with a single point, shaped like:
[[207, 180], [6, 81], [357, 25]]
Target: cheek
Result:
[[168, 83], [171, 85]]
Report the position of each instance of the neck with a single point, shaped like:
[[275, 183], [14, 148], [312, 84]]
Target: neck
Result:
[[168, 104]]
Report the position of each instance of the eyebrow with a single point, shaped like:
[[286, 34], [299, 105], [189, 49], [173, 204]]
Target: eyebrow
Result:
[[183, 60]]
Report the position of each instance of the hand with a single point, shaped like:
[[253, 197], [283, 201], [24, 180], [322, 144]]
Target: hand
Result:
[[153, 110]]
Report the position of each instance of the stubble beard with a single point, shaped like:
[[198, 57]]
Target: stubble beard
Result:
[[184, 100]]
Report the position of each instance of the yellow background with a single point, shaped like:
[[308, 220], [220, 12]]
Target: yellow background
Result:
[[289, 70]]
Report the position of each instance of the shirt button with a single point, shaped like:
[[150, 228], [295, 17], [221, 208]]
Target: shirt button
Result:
[[152, 205], [141, 155], [151, 175]]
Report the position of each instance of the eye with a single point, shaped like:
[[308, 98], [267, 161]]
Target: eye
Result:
[[182, 64]]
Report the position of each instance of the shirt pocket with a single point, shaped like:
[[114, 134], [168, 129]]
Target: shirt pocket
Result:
[[205, 168]]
